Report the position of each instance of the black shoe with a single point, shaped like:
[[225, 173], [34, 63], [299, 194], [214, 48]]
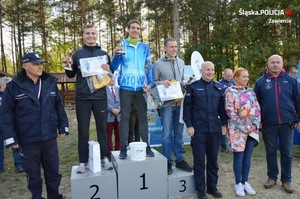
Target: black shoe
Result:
[[149, 152], [170, 170], [202, 195], [215, 193], [183, 165]]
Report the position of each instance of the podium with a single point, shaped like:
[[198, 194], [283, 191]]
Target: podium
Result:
[[146, 179], [93, 185], [181, 183]]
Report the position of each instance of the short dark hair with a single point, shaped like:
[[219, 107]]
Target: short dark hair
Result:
[[169, 39], [89, 26], [133, 21]]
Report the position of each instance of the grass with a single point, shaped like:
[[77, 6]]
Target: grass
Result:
[[13, 184]]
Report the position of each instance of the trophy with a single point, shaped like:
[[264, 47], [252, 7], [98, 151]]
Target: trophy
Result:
[[120, 44], [68, 63]]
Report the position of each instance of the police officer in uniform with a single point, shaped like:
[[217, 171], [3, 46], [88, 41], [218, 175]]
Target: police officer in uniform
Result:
[[202, 110]]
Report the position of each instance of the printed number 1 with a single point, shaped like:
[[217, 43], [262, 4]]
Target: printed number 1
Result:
[[144, 182], [97, 189]]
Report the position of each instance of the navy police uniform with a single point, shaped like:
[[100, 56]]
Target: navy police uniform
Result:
[[31, 115], [203, 108]]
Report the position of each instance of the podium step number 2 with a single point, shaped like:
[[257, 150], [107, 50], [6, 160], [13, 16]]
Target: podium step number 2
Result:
[[89, 185]]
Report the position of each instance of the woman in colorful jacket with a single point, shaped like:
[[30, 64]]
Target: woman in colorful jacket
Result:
[[243, 111]]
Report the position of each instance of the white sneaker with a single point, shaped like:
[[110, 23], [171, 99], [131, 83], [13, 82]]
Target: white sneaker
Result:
[[239, 189], [106, 164], [249, 189], [81, 168]]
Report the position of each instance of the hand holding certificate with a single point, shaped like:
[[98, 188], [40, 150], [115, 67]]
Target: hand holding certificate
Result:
[[92, 66], [173, 92], [96, 71]]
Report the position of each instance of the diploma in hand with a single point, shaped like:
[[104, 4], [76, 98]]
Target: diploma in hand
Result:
[[173, 92]]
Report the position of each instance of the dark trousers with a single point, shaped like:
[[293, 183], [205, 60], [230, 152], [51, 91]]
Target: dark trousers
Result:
[[84, 108], [113, 127], [134, 134], [45, 154], [205, 144], [126, 97], [283, 132]]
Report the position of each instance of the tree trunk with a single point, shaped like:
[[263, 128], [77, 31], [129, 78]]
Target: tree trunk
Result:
[[3, 61], [176, 28], [44, 33]]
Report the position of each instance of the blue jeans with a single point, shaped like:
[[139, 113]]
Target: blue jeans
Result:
[[285, 134], [242, 162], [16, 155], [172, 131]]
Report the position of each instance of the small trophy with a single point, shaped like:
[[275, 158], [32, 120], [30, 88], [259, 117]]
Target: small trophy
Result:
[[68, 63], [120, 44]]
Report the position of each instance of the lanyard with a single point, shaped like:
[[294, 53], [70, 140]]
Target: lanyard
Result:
[[40, 88]]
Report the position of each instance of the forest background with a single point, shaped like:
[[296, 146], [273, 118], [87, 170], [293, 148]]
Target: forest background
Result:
[[230, 33]]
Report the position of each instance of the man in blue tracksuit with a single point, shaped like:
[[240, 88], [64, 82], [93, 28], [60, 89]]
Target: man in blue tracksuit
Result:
[[202, 110], [32, 112], [134, 79], [278, 95]]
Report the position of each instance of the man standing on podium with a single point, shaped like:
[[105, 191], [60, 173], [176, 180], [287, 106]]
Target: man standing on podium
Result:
[[171, 67]]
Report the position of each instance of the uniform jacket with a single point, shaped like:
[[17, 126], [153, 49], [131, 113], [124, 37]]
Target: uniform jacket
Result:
[[226, 84], [135, 66], [27, 119], [278, 98], [112, 103], [1, 96], [243, 111], [82, 89], [204, 106]]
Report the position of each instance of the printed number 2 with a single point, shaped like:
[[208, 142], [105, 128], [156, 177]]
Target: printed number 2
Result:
[[183, 185], [144, 182], [97, 189]]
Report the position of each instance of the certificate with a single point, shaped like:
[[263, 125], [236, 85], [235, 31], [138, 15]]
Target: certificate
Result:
[[92, 65], [173, 92]]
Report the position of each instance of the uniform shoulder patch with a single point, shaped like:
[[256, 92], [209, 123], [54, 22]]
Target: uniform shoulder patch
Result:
[[217, 85]]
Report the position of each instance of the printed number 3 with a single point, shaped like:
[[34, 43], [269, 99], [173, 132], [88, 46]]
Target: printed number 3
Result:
[[183, 185]]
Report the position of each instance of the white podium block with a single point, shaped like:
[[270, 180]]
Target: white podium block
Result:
[[181, 183], [146, 179], [94, 185]]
